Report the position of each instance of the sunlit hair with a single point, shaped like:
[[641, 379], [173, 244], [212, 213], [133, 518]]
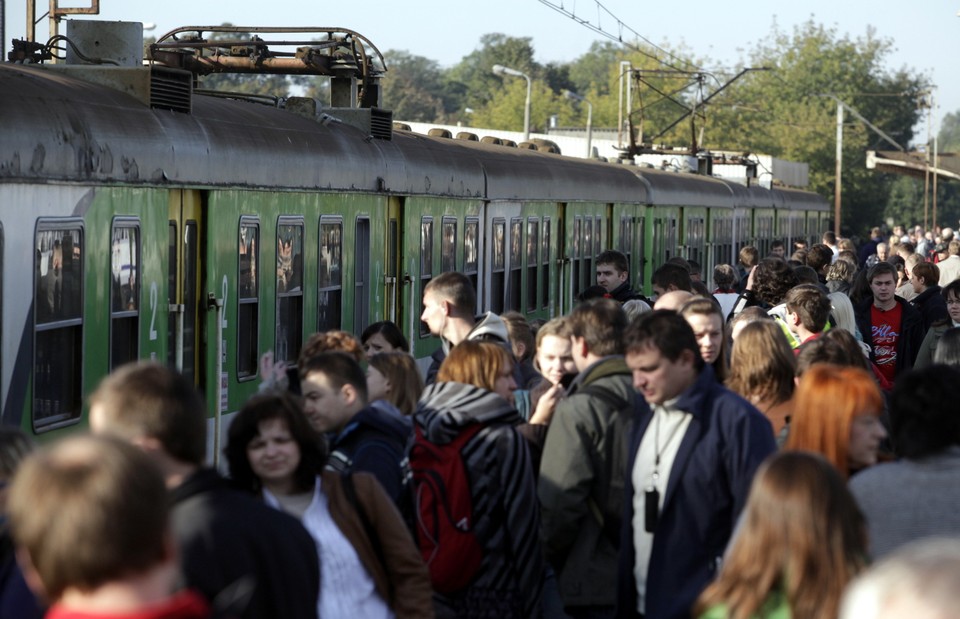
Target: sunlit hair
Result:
[[801, 533], [708, 306], [762, 364], [331, 341], [475, 363], [842, 312], [825, 404], [406, 384], [841, 270], [557, 327], [746, 316], [948, 348], [520, 332], [246, 427], [390, 332]]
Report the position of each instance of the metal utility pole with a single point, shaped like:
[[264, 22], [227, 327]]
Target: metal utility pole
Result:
[[837, 188]]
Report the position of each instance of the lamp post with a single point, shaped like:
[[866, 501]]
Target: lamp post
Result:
[[569, 94], [499, 69]]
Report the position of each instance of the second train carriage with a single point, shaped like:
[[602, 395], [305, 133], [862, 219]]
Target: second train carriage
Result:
[[203, 239]]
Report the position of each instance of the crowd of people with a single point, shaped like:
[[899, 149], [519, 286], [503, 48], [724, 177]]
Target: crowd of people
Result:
[[782, 444]]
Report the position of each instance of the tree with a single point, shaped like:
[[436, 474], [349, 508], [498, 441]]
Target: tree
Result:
[[949, 137], [785, 111], [413, 87], [471, 82]]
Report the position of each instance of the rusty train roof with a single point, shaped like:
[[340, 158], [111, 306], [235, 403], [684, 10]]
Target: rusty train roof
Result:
[[58, 128]]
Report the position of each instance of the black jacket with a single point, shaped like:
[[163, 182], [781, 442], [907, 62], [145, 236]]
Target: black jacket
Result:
[[932, 306], [224, 536], [909, 339], [375, 441]]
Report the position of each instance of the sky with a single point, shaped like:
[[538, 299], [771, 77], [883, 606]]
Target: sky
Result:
[[925, 34]]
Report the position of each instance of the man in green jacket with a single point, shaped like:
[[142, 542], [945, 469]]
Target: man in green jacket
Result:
[[584, 462]]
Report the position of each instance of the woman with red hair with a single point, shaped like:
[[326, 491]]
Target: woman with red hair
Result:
[[837, 414]]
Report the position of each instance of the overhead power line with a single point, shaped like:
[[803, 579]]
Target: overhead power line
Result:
[[619, 35]]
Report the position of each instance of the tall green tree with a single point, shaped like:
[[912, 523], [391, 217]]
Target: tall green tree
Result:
[[949, 136], [789, 111], [413, 87], [471, 82]]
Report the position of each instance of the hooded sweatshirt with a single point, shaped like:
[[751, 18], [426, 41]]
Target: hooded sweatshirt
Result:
[[375, 441], [489, 328], [504, 500]]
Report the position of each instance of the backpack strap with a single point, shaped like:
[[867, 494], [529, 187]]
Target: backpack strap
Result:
[[350, 490]]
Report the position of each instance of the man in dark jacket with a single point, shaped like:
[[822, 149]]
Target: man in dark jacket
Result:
[[613, 276], [929, 299], [248, 559], [584, 462], [693, 453], [890, 326], [368, 438]]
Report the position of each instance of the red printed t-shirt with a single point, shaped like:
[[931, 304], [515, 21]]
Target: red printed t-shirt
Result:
[[885, 327]]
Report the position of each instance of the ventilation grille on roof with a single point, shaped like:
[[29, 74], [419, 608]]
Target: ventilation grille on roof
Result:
[[381, 123], [171, 89]]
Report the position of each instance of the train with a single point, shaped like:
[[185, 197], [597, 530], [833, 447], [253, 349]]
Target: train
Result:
[[200, 230]]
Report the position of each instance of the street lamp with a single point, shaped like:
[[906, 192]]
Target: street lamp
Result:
[[569, 94], [499, 69]]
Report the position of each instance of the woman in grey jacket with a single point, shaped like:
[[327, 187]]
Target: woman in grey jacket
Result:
[[473, 394]]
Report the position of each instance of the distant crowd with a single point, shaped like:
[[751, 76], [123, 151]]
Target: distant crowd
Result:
[[777, 441]]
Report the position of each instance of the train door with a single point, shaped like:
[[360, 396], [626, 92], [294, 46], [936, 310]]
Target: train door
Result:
[[391, 272], [504, 229], [361, 265], [183, 283]]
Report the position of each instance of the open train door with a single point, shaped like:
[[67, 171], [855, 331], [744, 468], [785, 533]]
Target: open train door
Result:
[[183, 284]]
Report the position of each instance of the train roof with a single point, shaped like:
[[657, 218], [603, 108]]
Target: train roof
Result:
[[685, 189], [60, 128]]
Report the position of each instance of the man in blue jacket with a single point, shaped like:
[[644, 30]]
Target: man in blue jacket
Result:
[[693, 454]]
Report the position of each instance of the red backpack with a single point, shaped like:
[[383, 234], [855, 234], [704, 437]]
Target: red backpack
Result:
[[443, 508]]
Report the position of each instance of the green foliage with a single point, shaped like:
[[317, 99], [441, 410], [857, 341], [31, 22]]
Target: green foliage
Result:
[[413, 87], [949, 136]]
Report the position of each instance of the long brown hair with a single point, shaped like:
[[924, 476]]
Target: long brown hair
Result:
[[708, 306], [825, 403], [475, 363], [400, 370], [801, 533], [762, 364]]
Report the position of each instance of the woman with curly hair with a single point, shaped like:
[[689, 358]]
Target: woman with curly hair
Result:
[[767, 285], [802, 538]]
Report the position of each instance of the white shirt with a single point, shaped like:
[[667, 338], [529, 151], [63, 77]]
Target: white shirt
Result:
[[664, 433], [346, 588]]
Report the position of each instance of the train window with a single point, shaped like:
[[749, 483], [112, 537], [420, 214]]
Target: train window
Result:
[[58, 324], [577, 258], [516, 263], [289, 334], [545, 256], [124, 292], [586, 246], [329, 276], [448, 249], [426, 264], [626, 237], [471, 251], [191, 275], [393, 234], [533, 263], [248, 298], [173, 251], [361, 276], [498, 272]]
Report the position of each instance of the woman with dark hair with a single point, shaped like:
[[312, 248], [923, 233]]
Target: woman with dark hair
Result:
[[471, 403], [767, 285], [932, 341], [394, 377], [801, 540], [369, 564], [836, 413], [916, 496], [705, 317], [383, 336], [762, 368]]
